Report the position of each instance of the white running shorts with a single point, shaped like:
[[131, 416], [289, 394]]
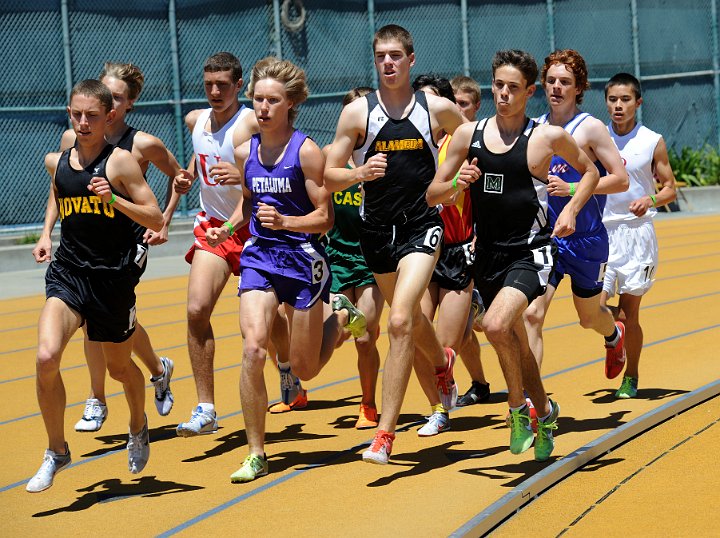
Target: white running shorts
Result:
[[633, 258]]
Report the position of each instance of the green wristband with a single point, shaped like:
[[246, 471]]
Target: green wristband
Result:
[[112, 198], [654, 200], [454, 181], [230, 227], [573, 186]]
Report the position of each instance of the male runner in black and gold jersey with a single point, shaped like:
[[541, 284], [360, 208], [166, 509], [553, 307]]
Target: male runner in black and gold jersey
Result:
[[513, 251], [392, 137], [101, 193]]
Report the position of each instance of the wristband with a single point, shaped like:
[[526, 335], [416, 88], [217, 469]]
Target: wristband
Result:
[[573, 186], [654, 200], [230, 227], [112, 199], [454, 181]]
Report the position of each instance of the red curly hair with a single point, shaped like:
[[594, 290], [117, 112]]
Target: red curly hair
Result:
[[575, 64]]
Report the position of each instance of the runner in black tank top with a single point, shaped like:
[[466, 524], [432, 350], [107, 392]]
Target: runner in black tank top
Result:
[[514, 254], [100, 190]]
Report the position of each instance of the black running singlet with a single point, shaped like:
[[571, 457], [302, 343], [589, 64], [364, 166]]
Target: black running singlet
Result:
[[509, 203], [399, 196], [93, 235]]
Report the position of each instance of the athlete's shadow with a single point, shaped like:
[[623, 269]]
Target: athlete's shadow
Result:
[[567, 424], [237, 439], [317, 405], [476, 422], [512, 473], [306, 461], [606, 396], [114, 489], [420, 462], [116, 441]]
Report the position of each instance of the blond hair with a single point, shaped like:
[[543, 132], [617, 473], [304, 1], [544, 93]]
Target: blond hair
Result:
[[285, 72], [130, 74]]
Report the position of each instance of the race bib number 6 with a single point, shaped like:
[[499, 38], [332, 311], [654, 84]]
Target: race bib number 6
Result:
[[433, 237]]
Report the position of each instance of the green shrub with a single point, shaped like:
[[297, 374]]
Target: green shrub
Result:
[[29, 239], [696, 167]]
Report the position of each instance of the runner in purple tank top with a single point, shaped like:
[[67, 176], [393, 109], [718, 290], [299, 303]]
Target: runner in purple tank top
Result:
[[283, 262]]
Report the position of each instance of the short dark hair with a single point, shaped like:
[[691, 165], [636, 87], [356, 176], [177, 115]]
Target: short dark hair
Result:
[[521, 60], [624, 79], [439, 84], [393, 31], [224, 61], [94, 88]]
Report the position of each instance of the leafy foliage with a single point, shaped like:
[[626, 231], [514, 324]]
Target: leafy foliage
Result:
[[696, 167]]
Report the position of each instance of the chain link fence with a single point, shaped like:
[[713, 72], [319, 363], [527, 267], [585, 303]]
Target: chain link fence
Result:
[[50, 44]]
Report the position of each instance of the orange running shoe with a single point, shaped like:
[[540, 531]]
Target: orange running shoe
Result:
[[300, 402], [368, 418], [380, 448], [615, 355]]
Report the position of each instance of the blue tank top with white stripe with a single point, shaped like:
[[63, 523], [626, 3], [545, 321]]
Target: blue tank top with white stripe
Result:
[[589, 219]]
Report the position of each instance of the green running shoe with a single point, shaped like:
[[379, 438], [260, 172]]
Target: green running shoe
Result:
[[253, 467], [356, 320], [521, 434], [628, 388], [544, 444]]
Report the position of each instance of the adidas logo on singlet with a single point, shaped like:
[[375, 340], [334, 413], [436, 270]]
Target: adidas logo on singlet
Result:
[[476, 144]]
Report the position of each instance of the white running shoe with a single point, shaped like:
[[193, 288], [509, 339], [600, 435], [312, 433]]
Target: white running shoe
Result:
[[138, 448], [437, 423], [52, 464], [93, 417], [200, 423], [163, 395]]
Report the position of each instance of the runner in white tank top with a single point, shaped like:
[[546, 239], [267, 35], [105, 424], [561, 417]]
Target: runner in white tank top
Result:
[[628, 216], [216, 131]]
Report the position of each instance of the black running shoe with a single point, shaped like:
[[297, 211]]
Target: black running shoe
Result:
[[477, 393]]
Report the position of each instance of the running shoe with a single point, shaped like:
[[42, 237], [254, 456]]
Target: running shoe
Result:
[[163, 395], [367, 418], [253, 467], [447, 389], [437, 423], [300, 402], [356, 323], [290, 385], [544, 442], [93, 417], [615, 355], [138, 448], [521, 435], [477, 306], [478, 392], [380, 448], [533, 415], [628, 388], [52, 464], [200, 423]]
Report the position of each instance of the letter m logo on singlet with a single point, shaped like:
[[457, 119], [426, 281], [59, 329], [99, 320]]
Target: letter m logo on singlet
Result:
[[493, 183]]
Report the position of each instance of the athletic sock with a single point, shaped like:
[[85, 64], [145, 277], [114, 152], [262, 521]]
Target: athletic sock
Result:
[[439, 408], [612, 340], [283, 365], [518, 408], [207, 408]]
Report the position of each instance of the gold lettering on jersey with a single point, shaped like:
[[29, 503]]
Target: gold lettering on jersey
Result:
[[403, 144], [83, 205], [347, 198]]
